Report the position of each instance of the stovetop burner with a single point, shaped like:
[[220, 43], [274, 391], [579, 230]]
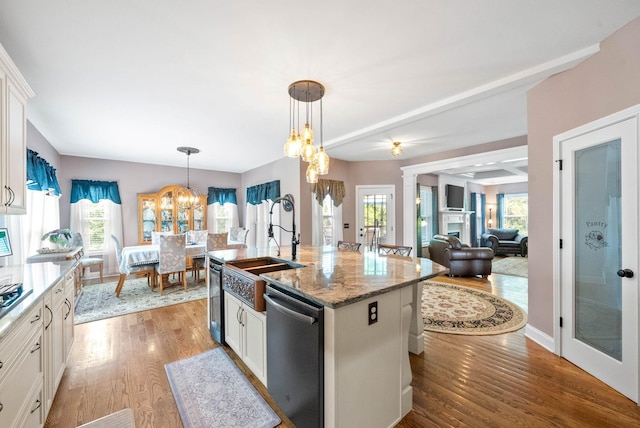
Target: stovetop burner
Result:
[[11, 295]]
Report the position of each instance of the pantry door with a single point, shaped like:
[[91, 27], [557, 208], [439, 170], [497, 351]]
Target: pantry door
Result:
[[599, 253]]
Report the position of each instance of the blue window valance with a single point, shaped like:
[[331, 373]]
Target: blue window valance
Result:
[[41, 176], [94, 191], [263, 192], [221, 196]]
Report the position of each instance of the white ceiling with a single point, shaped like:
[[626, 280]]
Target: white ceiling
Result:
[[133, 80]]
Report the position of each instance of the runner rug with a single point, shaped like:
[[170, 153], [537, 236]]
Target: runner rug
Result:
[[211, 391], [99, 301], [448, 308]]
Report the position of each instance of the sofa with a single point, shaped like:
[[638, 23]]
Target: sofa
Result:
[[506, 241], [461, 259]]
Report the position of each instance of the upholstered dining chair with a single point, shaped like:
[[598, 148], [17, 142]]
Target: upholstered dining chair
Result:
[[87, 261], [350, 246], [197, 262], [147, 269], [172, 259], [398, 250]]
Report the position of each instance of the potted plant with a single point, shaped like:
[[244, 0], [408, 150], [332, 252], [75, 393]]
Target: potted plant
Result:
[[60, 238]]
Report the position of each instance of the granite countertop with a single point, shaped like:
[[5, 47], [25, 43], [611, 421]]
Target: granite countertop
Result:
[[39, 277], [336, 278]]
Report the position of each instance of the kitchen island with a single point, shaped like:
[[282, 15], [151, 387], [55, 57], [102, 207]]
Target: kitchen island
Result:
[[367, 376]]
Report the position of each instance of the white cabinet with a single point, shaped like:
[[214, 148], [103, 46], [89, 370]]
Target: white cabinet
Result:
[[246, 334], [14, 93], [69, 314], [21, 373], [57, 317]]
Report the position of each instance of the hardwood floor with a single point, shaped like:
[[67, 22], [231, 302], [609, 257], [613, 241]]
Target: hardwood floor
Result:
[[463, 381]]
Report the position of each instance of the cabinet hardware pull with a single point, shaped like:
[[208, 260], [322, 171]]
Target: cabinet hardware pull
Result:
[[1, 406], [38, 404], [36, 347], [68, 303], [1, 364], [13, 196], [51, 312], [36, 318]]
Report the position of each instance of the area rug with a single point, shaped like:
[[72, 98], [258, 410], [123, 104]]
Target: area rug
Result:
[[516, 266], [448, 308], [211, 391], [99, 301]]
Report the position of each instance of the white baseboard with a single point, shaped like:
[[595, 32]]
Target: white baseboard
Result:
[[540, 338]]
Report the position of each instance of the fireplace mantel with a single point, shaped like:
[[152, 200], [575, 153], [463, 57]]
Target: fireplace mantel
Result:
[[456, 223]]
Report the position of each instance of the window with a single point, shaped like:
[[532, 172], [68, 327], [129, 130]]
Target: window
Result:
[[224, 216], [327, 220], [515, 212], [95, 220], [426, 214]]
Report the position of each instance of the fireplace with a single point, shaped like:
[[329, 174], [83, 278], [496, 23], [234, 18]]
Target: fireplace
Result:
[[456, 234]]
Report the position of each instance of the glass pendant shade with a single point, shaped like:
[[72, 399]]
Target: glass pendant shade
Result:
[[293, 146], [307, 133], [322, 161], [308, 151], [312, 173]]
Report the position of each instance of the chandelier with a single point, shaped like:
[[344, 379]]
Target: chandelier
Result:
[[301, 143], [188, 197]]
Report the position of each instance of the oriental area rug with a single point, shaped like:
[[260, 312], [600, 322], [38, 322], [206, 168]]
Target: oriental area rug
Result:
[[448, 308], [99, 301], [211, 391]]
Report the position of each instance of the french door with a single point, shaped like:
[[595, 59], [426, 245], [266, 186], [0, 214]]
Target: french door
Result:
[[375, 215], [599, 256]]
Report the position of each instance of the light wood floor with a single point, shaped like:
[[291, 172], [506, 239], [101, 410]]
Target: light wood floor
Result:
[[462, 381]]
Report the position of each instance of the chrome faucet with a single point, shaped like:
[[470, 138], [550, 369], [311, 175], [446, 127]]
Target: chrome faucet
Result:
[[287, 204]]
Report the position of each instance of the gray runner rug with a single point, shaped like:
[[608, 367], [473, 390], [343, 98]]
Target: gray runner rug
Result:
[[211, 391]]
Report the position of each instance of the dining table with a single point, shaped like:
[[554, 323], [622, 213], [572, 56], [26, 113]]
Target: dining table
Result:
[[144, 255]]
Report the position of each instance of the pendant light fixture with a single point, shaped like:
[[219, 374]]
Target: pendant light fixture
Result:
[[301, 144], [396, 149], [188, 197]]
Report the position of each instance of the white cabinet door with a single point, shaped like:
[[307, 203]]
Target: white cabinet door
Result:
[[68, 317], [53, 341], [233, 326], [245, 333], [255, 343], [16, 150]]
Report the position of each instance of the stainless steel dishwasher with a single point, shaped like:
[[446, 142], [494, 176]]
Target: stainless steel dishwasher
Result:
[[215, 308], [295, 356]]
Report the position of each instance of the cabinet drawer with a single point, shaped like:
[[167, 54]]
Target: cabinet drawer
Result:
[[11, 345], [58, 293], [16, 391]]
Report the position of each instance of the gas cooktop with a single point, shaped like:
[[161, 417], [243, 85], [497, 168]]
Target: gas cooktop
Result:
[[11, 295]]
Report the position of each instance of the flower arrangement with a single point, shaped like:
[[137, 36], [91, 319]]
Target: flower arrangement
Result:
[[60, 237]]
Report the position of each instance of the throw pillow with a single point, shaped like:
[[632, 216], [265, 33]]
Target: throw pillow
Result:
[[504, 234]]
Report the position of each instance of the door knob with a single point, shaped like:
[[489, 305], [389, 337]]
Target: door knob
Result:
[[625, 273]]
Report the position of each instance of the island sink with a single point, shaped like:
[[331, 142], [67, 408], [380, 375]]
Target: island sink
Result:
[[240, 277]]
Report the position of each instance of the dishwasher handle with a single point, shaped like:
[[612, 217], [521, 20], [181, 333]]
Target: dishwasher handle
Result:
[[297, 315]]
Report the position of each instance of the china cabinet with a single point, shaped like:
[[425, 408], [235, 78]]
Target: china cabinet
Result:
[[163, 212], [14, 93]]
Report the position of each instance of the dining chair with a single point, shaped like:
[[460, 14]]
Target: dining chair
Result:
[[398, 250], [87, 261], [350, 246], [147, 269], [172, 259], [197, 262]]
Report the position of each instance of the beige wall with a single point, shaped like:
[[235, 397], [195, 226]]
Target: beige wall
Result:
[[607, 82]]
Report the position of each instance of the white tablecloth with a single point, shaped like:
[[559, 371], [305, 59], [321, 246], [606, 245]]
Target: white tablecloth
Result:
[[137, 255]]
